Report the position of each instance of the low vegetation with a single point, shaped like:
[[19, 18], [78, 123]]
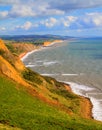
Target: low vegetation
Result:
[[32, 77], [21, 110]]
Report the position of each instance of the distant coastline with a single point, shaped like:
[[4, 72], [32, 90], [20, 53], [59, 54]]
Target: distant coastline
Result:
[[45, 44]]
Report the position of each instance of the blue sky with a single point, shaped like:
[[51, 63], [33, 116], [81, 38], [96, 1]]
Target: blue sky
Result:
[[59, 17]]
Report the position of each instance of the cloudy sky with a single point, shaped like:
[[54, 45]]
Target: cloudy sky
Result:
[[59, 17]]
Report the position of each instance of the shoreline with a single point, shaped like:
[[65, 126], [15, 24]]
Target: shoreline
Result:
[[86, 104], [22, 55], [25, 54]]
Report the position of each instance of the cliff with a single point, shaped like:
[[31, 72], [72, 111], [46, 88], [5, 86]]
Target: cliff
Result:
[[47, 43]]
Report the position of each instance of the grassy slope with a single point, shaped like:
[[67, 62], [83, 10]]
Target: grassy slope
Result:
[[19, 109], [50, 106]]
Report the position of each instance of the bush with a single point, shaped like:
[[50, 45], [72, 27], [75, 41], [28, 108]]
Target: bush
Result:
[[32, 76], [11, 48], [2, 52]]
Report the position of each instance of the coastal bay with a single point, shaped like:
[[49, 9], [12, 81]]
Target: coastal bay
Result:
[[76, 77]]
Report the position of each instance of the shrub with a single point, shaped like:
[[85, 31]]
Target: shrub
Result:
[[31, 76], [2, 52]]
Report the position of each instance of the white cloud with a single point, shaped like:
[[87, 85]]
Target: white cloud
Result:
[[89, 20], [3, 29], [67, 21], [27, 25], [31, 8], [21, 11], [95, 18], [49, 22]]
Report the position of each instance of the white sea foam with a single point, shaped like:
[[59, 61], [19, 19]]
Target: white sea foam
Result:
[[97, 108], [39, 61], [64, 74], [45, 74], [89, 92], [29, 53], [69, 74], [32, 65], [29, 63], [47, 63]]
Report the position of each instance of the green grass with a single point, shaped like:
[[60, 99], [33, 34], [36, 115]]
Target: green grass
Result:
[[21, 110]]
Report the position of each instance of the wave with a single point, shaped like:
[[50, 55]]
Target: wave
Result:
[[89, 92], [97, 109], [29, 53], [31, 66], [70, 74], [45, 74], [61, 74], [47, 63]]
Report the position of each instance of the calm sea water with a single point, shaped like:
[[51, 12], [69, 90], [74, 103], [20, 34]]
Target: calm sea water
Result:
[[77, 62]]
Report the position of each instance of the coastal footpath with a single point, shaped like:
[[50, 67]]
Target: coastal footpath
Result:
[[31, 101]]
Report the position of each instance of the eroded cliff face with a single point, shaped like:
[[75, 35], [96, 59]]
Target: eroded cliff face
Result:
[[47, 43], [11, 58], [7, 69], [24, 47], [10, 65], [2, 46]]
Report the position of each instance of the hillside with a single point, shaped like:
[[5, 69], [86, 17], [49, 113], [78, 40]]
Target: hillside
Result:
[[30, 101]]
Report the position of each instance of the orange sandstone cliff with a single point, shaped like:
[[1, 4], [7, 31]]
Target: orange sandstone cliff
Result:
[[47, 43], [10, 65]]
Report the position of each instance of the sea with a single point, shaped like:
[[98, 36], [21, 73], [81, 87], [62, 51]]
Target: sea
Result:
[[77, 62]]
